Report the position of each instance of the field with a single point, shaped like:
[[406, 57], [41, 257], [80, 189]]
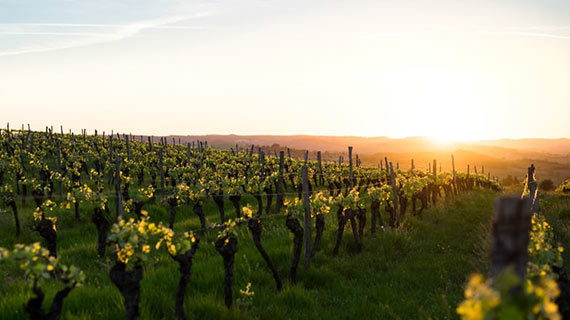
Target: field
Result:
[[415, 266], [412, 273]]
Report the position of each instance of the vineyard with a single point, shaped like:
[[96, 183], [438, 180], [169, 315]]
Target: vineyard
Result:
[[97, 226]]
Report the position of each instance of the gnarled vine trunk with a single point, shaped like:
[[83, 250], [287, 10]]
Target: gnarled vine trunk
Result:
[[46, 229], [235, 200], [255, 226], [128, 283], [199, 211], [294, 226], [227, 250], [102, 225], [185, 268], [319, 227], [219, 200], [34, 306]]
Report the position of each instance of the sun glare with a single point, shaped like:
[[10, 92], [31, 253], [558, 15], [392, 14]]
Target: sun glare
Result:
[[440, 103]]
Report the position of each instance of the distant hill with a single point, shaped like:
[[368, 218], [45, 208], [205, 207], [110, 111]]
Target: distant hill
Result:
[[370, 145], [500, 157]]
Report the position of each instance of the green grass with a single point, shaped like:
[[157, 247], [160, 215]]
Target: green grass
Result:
[[415, 272]]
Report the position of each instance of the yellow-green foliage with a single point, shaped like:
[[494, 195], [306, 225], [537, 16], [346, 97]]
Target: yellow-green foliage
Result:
[[39, 266]]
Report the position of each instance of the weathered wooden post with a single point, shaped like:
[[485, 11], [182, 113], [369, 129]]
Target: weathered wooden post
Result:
[[395, 194], [31, 148], [483, 170], [188, 153], [351, 182], [111, 148], [533, 189], [59, 184], [128, 148], [319, 159], [306, 156], [119, 204], [413, 165], [280, 182], [307, 206], [149, 144], [161, 170], [511, 228]]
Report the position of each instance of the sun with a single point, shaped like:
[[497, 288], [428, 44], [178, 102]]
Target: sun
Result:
[[442, 103]]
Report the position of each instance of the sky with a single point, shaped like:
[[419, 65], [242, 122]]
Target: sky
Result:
[[451, 70]]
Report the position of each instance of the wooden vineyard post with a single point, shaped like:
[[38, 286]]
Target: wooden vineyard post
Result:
[[387, 165], [188, 153], [395, 193], [161, 170], [306, 156], [307, 206], [111, 148], [288, 153], [350, 166], [511, 228], [483, 170], [119, 203], [59, 168], [319, 159], [149, 144], [31, 142], [128, 148], [454, 175], [413, 165], [533, 189], [279, 202]]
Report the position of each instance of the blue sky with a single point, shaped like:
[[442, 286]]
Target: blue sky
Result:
[[373, 68]]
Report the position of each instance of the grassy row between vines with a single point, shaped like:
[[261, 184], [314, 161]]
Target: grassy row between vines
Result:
[[415, 272]]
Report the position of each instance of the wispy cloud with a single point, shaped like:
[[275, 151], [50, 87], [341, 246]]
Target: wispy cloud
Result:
[[528, 34], [552, 32], [81, 38]]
